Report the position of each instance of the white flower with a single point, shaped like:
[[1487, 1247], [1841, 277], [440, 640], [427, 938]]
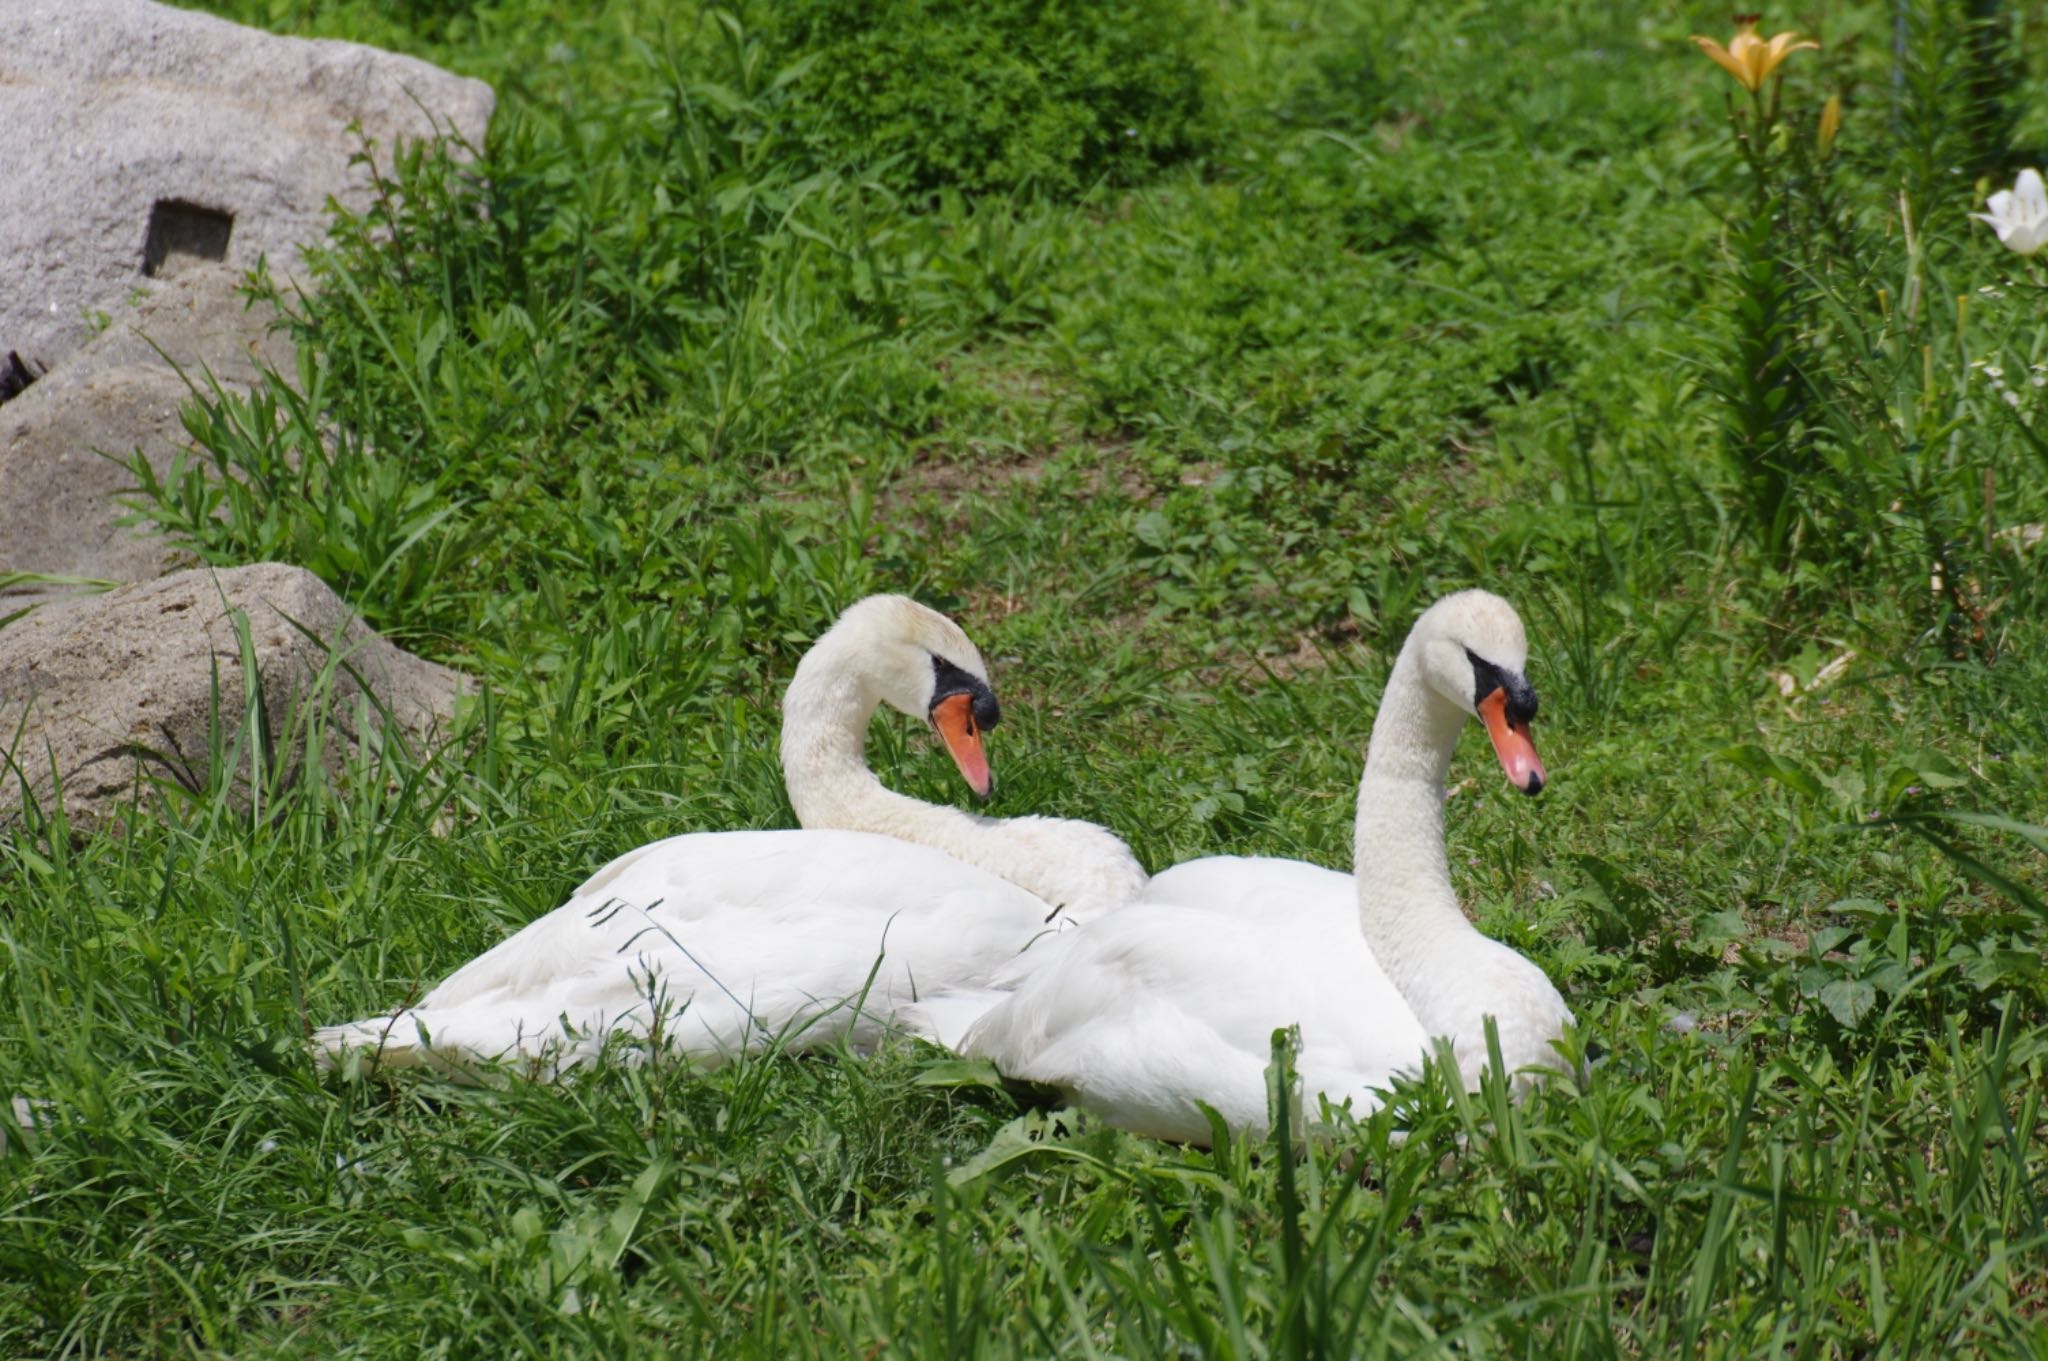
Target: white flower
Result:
[[2020, 214]]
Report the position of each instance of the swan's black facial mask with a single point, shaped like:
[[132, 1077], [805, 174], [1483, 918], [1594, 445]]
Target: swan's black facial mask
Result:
[[962, 705], [1506, 704]]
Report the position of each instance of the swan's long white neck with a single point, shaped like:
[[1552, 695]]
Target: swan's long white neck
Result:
[[825, 717], [826, 712], [1406, 904]]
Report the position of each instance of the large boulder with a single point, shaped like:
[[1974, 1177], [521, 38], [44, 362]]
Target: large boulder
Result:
[[140, 139], [107, 699], [65, 441]]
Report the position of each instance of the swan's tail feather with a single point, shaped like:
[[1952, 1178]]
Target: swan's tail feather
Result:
[[946, 1018], [392, 1041], [388, 1044], [477, 1044]]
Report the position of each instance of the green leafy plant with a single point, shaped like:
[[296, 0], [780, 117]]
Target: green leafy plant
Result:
[[994, 96]]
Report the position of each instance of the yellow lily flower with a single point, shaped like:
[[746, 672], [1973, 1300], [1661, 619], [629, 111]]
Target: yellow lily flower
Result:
[[1749, 58]]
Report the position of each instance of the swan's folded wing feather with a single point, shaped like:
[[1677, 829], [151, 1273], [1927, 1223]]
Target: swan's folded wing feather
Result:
[[733, 939], [1143, 1014]]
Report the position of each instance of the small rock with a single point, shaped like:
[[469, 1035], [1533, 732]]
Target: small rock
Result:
[[114, 693]]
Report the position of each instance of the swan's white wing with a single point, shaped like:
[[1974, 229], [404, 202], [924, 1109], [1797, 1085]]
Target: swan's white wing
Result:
[[731, 939], [1146, 1012]]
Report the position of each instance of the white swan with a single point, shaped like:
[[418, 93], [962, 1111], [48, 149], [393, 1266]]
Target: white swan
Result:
[[725, 941], [1173, 999]]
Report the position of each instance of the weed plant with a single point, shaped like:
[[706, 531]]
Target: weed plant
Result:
[[617, 411], [993, 97]]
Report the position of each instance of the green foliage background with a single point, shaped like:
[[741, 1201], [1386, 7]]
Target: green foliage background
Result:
[[995, 96], [742, 314]]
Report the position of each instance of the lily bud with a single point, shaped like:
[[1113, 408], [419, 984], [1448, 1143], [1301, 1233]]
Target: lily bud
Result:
[[1830, 124]]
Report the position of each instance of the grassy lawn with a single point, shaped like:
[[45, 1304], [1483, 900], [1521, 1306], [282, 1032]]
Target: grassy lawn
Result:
[[1183, 352]]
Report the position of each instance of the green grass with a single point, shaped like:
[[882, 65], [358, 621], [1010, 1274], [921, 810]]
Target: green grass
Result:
[[1431, 297]]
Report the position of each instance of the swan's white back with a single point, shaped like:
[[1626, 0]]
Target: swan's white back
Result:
[[734, 940]]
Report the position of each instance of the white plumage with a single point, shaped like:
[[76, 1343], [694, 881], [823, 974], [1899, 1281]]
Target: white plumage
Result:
[[727, 941], [732, 940], [1173, 1000]]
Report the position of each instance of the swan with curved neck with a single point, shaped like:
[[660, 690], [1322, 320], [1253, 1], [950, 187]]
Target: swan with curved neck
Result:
[[1172, 1001], [723, 942], [891, 650]]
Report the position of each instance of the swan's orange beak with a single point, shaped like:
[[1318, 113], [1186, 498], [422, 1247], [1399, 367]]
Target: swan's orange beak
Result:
[[953, 716], [1512, 743]]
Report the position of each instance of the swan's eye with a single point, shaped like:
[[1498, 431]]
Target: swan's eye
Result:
[[1488, 678]]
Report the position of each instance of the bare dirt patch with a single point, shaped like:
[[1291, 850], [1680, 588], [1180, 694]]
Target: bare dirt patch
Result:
[[1051, 448]]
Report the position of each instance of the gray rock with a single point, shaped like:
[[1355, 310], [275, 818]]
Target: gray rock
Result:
[[109, 699], [200, 319], [59, 490], [64, 443], [139, 139]]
